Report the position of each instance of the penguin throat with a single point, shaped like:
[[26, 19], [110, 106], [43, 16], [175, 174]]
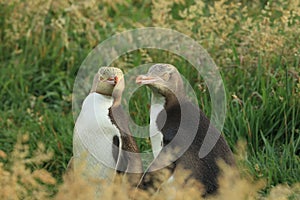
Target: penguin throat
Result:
[[157, 107], [108, 95], [116, 98], [171, 100]]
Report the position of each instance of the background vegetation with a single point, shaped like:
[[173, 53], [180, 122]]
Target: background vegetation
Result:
[[255, 44]]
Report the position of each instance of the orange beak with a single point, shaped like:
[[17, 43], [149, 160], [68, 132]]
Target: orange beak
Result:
[[144, 80], [112, 80]]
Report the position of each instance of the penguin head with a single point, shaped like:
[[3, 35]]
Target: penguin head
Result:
[[108, 81], [163, 79]]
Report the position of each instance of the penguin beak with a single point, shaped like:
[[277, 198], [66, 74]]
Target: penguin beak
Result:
[[144, 79], [112, 80]]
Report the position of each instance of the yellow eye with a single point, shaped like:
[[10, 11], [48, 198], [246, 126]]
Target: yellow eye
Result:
[[166, 77]]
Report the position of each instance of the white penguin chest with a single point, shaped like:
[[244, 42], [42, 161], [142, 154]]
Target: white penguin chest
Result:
[[95, 129], [156, 136]]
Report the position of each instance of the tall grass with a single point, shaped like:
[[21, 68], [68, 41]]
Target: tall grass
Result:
[[255, 44]]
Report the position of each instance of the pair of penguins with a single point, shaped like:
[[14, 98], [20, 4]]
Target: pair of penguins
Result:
[[102, 131]]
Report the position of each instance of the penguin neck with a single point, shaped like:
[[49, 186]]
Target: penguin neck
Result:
[[157, 99], [157, 105], [172, 100], [116, 100], [157, 108]]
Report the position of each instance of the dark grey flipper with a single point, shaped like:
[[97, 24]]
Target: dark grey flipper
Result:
[[128, 161]]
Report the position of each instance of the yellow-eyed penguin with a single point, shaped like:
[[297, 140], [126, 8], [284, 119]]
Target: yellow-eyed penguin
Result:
[[165, 80], [102, 140]]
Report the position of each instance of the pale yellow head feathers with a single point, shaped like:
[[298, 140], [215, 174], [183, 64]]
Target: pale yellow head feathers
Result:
[[107, 80]]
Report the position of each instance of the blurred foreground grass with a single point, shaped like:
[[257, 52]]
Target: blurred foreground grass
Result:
[[255, 44]]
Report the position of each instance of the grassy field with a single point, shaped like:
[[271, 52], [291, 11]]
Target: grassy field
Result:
[[255, 44]]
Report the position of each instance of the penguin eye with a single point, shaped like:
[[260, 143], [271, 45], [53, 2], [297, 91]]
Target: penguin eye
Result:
[[166, 77], [101, 78]]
